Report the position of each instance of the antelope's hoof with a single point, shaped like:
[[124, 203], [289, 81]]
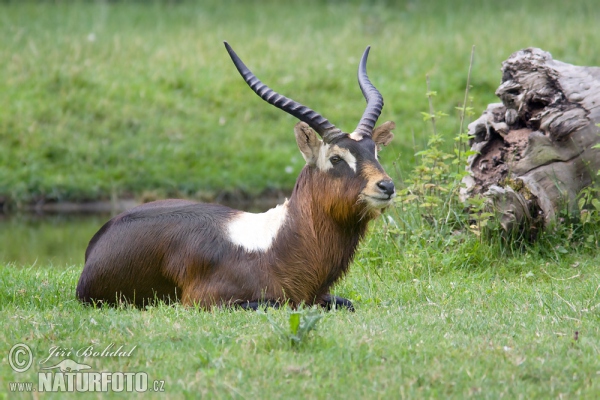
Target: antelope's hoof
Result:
[[329, 302]]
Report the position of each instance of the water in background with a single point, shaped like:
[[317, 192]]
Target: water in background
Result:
[[57, 240], [61, 239]]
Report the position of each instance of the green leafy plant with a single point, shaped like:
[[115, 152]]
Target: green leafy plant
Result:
[[300, 322], [432, 190]]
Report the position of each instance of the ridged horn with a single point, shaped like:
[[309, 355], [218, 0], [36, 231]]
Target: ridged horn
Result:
[[373, 97], [320, 124]]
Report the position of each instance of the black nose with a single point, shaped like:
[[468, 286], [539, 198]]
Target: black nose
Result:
[[387, 187]]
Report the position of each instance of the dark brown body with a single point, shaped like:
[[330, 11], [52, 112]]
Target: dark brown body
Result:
[[179, 250]]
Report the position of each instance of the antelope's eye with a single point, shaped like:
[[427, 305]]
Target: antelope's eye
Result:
[[335, 159]]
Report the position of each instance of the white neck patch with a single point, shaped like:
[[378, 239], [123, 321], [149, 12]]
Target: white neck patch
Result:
[[256, 232]]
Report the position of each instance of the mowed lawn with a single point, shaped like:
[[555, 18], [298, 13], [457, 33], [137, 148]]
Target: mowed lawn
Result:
[[465, 322], [116, 99]]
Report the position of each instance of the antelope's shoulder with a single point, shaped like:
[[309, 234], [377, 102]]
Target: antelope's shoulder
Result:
[[257, 232]]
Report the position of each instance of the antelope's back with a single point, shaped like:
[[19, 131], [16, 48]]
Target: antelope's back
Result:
[[147, 252]]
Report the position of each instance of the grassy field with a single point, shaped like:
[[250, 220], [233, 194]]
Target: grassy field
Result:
[[110, 99], [469, 322]]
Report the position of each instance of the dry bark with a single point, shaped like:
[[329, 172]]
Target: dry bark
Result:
[[536, 147]]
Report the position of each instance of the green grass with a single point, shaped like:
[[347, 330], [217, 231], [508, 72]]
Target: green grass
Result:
[[465, 323], [111, 99], [149, 106]]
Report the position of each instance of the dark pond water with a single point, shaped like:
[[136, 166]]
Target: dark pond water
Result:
[[61, 239], [57, 240]]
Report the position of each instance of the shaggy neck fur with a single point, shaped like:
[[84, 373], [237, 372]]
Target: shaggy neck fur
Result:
[[323, 228]]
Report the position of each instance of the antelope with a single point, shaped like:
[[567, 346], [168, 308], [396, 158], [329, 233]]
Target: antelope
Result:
[[211, 255]]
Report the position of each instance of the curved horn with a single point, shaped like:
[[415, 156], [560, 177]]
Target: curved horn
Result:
[[373, 97], [320, 124]]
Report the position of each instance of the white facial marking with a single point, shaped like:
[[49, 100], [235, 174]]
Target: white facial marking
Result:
[[327, 151], [349, 158], [256, 232], [323, 162]]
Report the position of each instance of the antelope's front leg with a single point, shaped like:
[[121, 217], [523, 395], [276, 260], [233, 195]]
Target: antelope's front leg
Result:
[[328, 302]]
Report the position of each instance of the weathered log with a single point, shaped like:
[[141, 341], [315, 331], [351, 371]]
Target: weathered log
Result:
[[535, 149]]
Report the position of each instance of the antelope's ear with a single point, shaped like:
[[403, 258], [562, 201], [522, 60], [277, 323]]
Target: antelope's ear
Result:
[[382, 135], [308, 142]]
